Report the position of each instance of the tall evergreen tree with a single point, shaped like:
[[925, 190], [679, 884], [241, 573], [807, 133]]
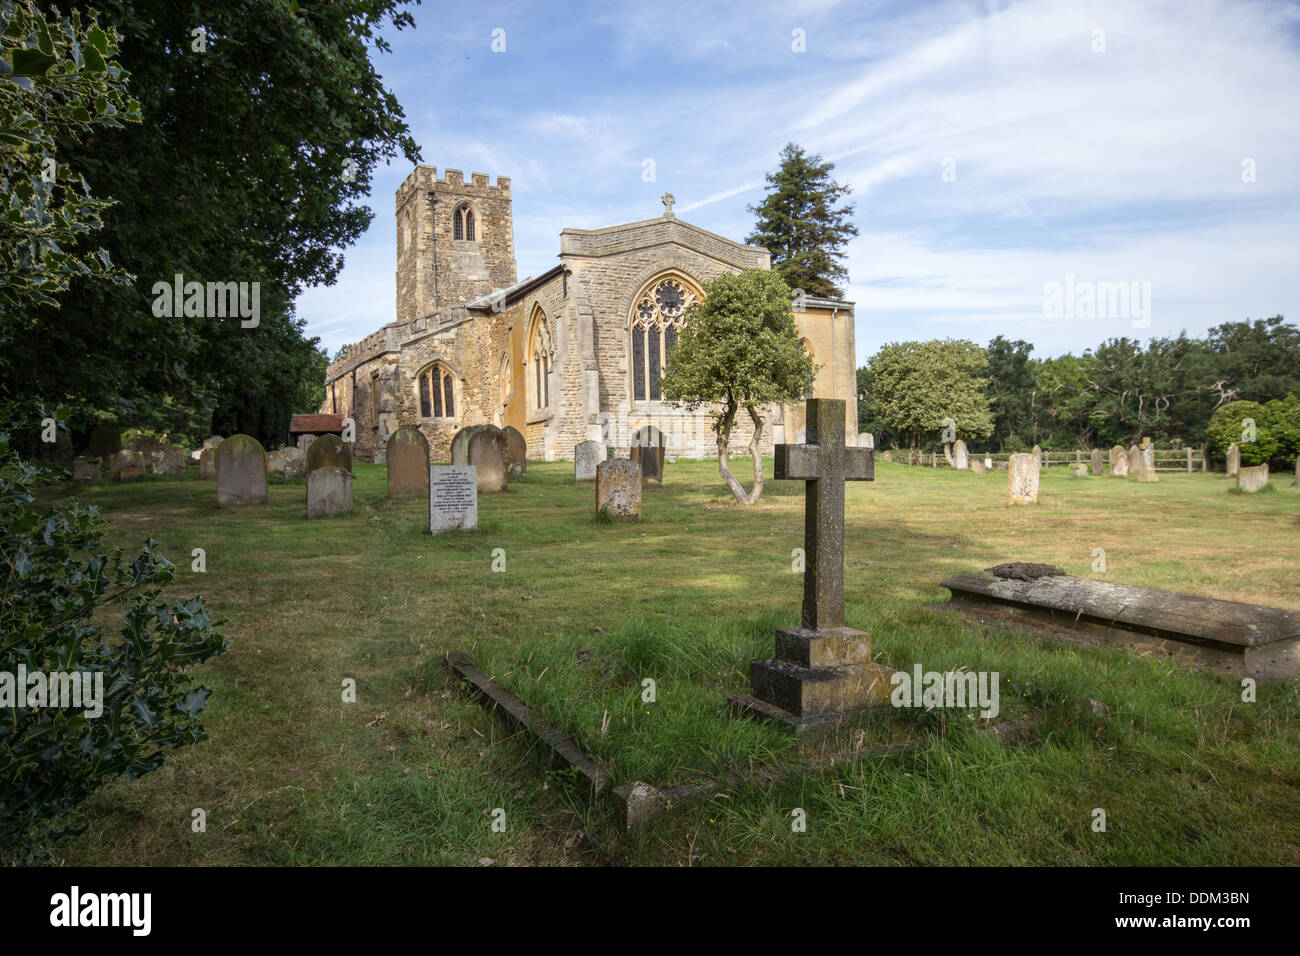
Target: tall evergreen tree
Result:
[[799, 223]]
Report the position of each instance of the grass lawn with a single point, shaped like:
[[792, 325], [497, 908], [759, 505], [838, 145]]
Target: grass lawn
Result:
[[410, 774]]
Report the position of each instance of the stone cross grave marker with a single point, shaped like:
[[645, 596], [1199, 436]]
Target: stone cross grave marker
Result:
[[822, 671], [825, 463]]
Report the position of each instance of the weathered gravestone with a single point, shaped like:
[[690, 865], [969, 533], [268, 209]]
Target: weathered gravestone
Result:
[[329, 491], [1080, 471], [586, 456], [288, 462], [453, 498], [648, 451], [328, 451], [1097, 464], [977, 465], [486, 450], [208, 456], [1118, 462], [1263, 642], [1234, 459], [1147, 464], [866, 440], [1022, 479], [822, 671], [159, 457], [960, 456], [516, 452], [1252, 478], [241, 472], [105, 440], [460, 443], [618, 488], [85, 469], [408, 463], [126, 465], [1038, 455]]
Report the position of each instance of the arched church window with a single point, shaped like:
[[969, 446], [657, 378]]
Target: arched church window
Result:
[[437, 392], [538, 363], [656, 320], [462, 223]]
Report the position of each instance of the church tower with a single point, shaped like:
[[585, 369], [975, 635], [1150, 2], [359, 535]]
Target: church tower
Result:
[[455, 242]]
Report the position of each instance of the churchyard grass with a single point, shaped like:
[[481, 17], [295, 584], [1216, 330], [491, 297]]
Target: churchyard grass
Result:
[[585, 611]]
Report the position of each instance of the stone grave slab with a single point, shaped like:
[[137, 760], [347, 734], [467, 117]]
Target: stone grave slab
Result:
[[960, 456], [1251, 639], [586, 456], [1234, 460], [328, 451], [453, 498], [241, 472], [1252, 478], [647, 450], [1022, 479], [329, 491], [516, 452], [1097, 464], [486, 451], [618, 488], [408, 463], [460, 443], [1118, 462]]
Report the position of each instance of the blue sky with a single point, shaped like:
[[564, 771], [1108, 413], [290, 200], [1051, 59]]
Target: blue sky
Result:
[[1119, 165]]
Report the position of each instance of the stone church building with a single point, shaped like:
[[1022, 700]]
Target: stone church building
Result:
[[573, 354]]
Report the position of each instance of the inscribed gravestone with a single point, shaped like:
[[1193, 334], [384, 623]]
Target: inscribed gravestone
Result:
[[1118, 462], [408, 463], [648, 451], [822, 670], [618, 488], [328, 451], [1252, 478], [516, 452], [486, 450], [453, 497], [1097, 465], [586, 456], [1022, 479], [960, 456], [329, 491], [1234, 459], [977, 465], [241, 472]]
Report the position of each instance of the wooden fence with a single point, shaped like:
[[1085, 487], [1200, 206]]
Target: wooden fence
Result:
[[1166, 459]]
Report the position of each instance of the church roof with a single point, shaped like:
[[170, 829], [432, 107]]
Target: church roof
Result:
[[512, 293], [315, 424]]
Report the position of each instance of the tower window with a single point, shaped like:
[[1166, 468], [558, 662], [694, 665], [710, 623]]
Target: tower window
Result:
[[462, 224]]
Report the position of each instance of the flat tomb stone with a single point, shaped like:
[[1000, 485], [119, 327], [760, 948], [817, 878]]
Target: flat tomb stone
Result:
[[1263, 642]]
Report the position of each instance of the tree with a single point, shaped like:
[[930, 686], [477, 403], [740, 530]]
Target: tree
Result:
[[799, 224], [57, 81], [59, 586], [1255, 361], [739, 350], [264, 120], [935, 389], [1010, 372]]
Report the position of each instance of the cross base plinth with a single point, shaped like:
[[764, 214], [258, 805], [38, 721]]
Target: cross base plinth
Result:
[[817, 677]]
